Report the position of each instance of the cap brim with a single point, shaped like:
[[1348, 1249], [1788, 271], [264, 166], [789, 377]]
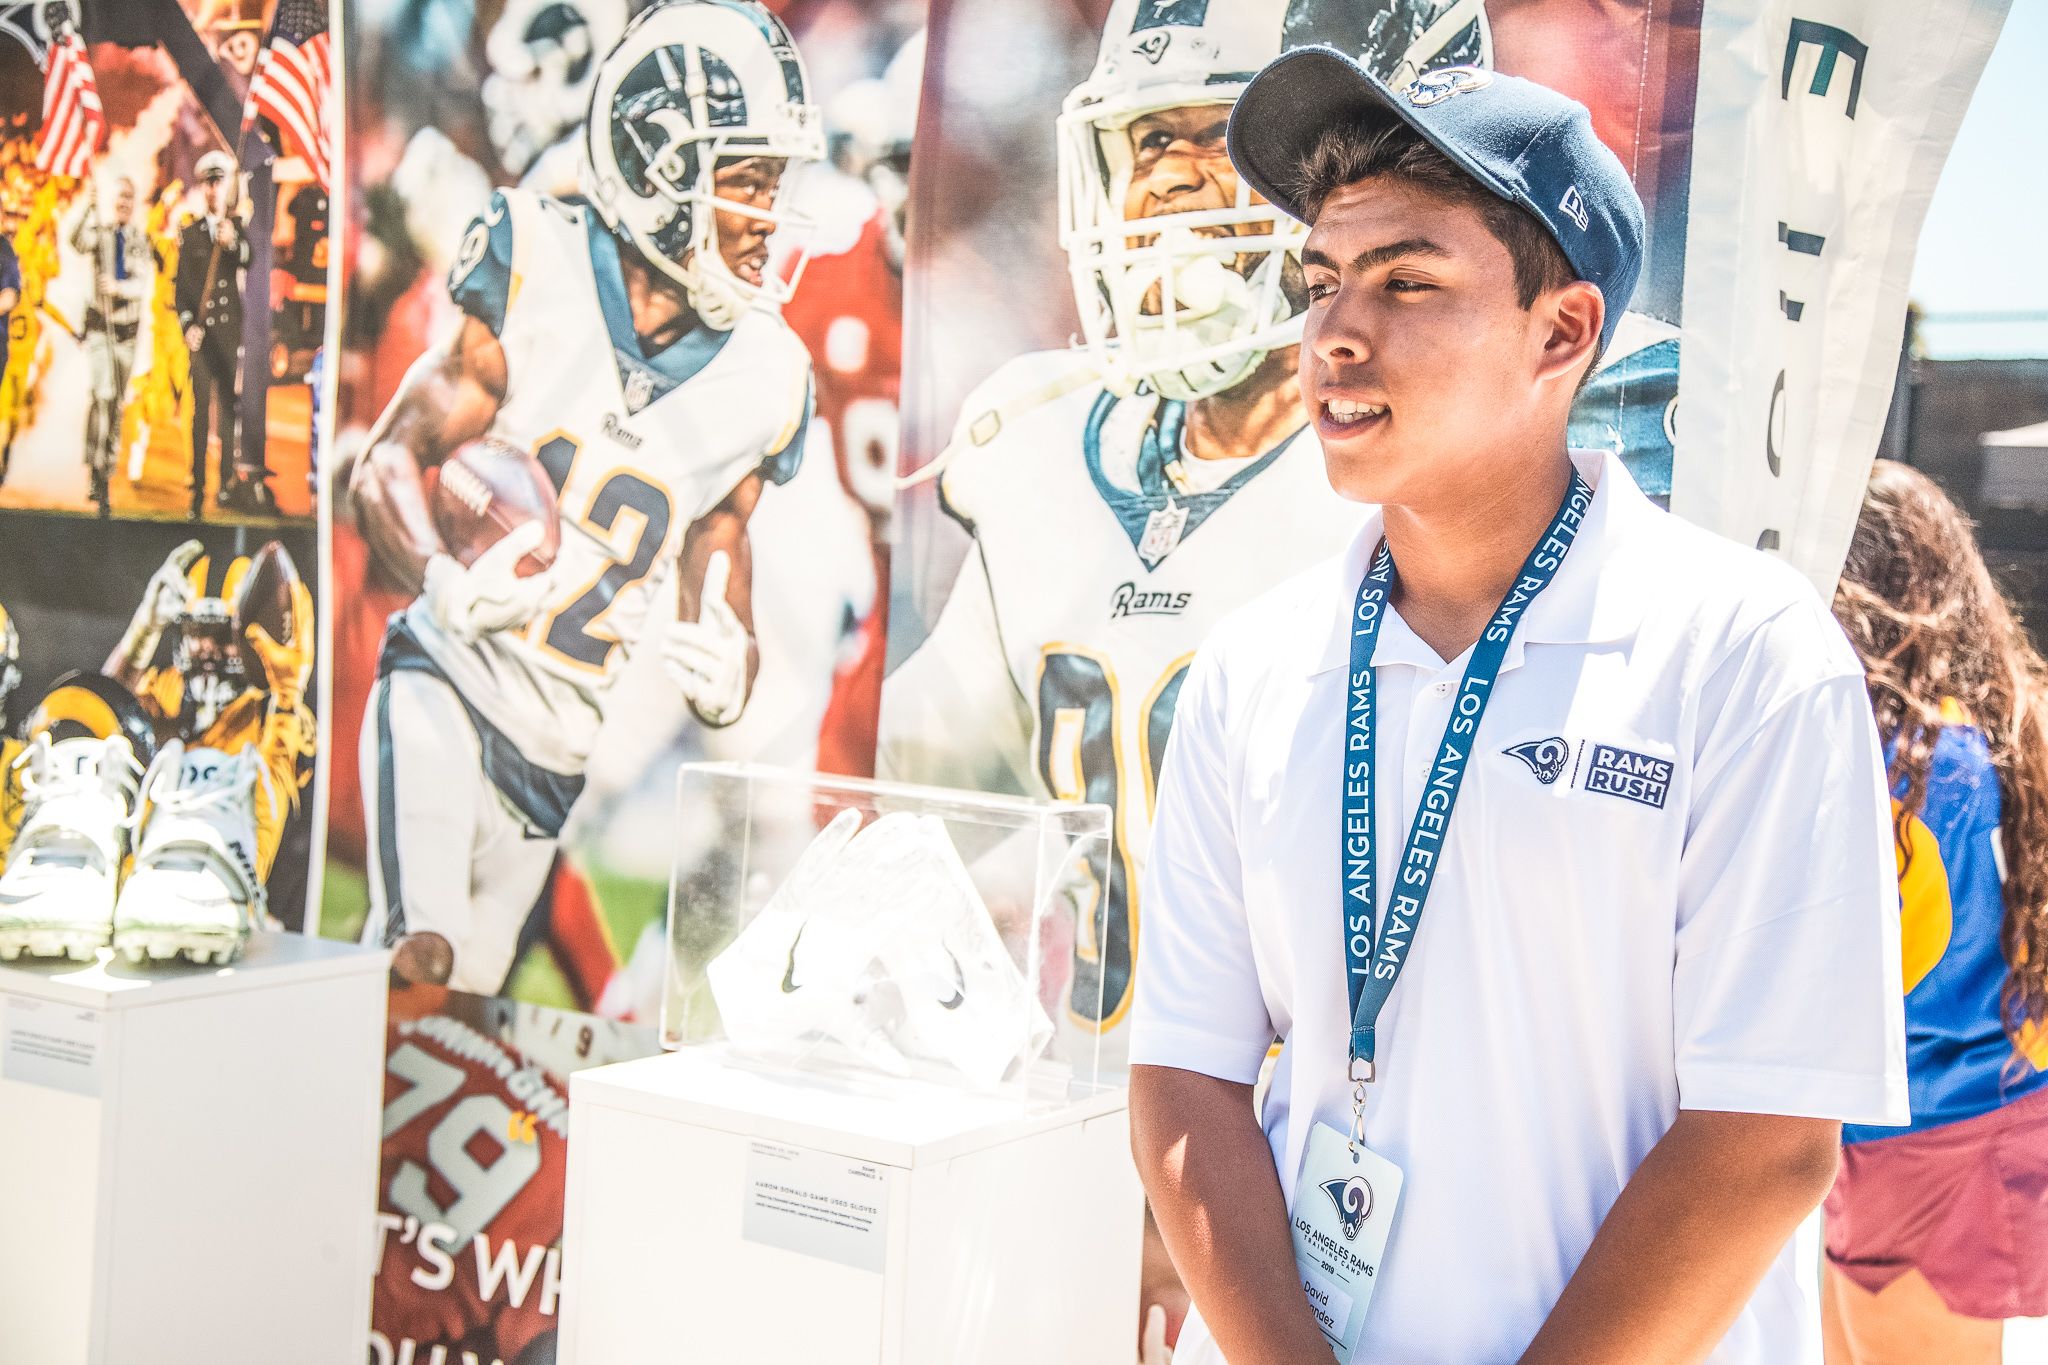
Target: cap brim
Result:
[[1298, 96]]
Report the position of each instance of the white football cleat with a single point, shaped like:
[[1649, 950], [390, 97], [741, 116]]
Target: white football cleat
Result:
[[57, 894], [193, 889]]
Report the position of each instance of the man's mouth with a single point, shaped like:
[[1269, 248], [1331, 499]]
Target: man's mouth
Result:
[[1348, 413], [751, 266]]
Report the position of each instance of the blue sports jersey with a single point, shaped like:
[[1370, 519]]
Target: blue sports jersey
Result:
[[1959, 1061]]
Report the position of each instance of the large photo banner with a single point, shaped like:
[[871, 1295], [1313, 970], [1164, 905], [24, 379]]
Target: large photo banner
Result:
[[612, 477], [1096, 476], [1821, 132], [163, 277]]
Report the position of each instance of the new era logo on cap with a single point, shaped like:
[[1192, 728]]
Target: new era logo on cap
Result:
[[1574, 208]]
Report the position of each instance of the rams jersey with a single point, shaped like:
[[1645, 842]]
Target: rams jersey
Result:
[[1959, 1060], [1102, 556], [284, 743], [638, 446], [469, 1193]]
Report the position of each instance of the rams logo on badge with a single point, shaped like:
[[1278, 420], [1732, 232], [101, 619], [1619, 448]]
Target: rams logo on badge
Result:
[[1545, 757], [1353, 1198]]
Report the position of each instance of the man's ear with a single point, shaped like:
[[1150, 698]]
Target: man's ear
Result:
[[1575, 313]]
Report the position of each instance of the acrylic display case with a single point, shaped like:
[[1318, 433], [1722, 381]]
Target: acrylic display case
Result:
[[884, 932]]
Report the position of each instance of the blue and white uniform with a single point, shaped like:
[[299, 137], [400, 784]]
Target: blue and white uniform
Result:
[[639, 447], [1095, 572]]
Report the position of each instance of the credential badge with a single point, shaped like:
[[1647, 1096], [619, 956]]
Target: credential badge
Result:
[[1353, 1198], [1545, 757], [1163, 530], [1432, 88]]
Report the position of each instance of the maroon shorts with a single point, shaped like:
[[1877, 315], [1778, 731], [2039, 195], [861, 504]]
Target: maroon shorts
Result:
[[1965, 1204]]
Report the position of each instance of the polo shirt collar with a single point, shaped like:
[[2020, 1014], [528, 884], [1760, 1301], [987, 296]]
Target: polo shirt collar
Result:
[[1583, 604]]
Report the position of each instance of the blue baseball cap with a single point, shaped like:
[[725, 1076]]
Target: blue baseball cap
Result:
[[1523, 141]]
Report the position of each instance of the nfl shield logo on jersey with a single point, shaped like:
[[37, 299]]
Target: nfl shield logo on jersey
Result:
[[639, 388], [1162, 533], [1353, 1198]]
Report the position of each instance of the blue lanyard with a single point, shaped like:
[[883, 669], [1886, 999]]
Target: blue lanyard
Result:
[[1374, 955]]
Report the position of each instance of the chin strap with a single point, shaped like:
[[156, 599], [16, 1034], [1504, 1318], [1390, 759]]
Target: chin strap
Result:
[[986, 426]]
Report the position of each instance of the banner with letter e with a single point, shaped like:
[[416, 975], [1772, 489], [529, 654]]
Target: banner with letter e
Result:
[[1820, 133]]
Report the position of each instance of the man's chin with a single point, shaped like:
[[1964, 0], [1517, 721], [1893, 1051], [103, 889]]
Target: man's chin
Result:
[[1361, 475]]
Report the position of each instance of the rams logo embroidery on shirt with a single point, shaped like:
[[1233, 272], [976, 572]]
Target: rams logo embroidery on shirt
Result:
[[1353, 1198], [1545, 757], [1629, 775]]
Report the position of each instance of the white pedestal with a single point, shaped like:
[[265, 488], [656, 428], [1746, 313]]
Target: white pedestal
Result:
[[191, 1157], [717, 1214]]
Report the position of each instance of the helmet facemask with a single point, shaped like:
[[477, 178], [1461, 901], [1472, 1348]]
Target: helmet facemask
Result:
[[1186, 302], [207, 657]]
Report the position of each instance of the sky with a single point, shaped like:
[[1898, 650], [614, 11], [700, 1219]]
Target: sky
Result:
[[1984, 248]]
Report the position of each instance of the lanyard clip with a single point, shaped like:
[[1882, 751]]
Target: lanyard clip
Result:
[[1361, 1071]]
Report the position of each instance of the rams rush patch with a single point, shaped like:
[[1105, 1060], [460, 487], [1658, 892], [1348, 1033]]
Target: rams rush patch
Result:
[[1629, 775]]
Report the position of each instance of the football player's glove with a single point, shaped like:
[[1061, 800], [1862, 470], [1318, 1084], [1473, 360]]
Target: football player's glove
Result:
[[287, 667], [165, 599], [489, 595], [707, 657]]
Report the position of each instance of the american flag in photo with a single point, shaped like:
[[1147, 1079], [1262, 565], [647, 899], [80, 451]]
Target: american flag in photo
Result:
[[72, 117], [292, 84]]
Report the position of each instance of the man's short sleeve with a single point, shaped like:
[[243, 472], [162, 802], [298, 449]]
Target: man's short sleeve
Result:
[[1199, 1006], [480, 281], [1786, 994]]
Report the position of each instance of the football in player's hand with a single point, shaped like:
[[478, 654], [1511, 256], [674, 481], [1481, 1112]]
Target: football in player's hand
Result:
[[265, 595], [486, 488]]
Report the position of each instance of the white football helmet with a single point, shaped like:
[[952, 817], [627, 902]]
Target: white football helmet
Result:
[[872, 124], [1190, 306], [543, 56], [690, 85]]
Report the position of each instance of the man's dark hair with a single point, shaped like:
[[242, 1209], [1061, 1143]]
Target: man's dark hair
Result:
[[1349, 153]]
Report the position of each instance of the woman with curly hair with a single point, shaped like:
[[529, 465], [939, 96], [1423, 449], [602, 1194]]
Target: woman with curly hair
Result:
[[1938, 1232]]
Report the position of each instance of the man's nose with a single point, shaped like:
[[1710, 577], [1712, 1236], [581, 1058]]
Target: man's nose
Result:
[[1338, 332]]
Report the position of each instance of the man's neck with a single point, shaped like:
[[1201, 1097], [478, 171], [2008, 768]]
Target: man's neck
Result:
[[1457, 557], [661, 314], [1252, 417]]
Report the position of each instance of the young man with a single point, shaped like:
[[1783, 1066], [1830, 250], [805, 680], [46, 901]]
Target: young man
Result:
[[1659, 961]]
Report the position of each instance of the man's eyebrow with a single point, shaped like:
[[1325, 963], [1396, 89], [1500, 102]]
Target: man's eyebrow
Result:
[[1374, 257]]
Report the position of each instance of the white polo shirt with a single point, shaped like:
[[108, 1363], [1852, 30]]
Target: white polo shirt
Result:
[[1686, 900]]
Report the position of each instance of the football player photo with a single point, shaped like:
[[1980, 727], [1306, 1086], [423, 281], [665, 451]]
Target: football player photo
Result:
[[154, 801], [1169, 448], [614, 398]]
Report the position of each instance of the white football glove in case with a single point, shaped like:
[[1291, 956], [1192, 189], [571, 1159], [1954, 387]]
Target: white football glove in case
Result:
[[879, 941], [489, 595]]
